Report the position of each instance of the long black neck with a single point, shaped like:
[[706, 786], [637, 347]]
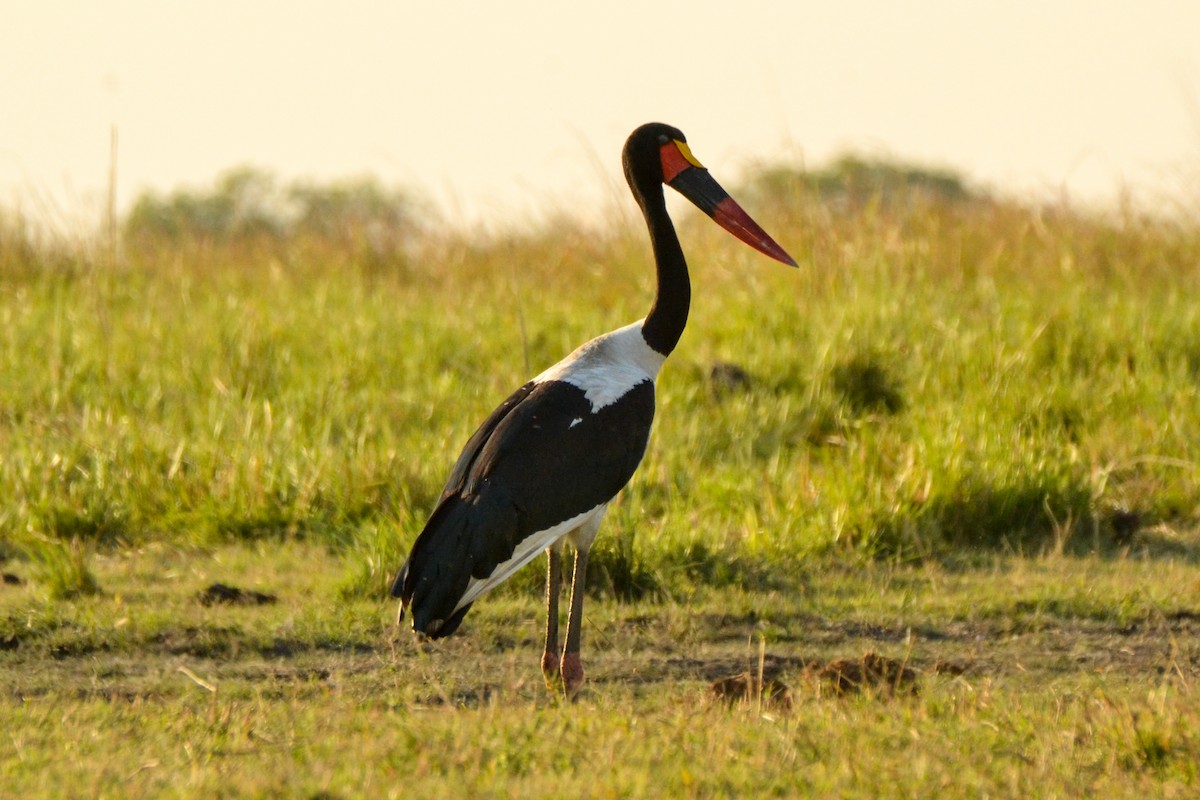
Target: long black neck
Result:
[[668, 316]]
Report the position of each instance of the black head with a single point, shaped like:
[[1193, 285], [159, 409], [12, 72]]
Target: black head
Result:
[[642, 160]]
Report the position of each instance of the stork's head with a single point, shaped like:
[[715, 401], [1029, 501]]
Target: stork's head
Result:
[[657, 154]]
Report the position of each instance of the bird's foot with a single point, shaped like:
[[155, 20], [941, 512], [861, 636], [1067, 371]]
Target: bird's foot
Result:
[[550, 672], [572, 674]]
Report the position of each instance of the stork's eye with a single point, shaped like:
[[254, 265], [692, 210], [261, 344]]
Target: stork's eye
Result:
[[663, 138]]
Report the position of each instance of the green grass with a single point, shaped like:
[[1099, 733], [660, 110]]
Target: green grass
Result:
[[916, 384], [964, 432], [1067, 677]]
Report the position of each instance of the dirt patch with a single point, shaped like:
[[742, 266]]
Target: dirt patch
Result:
[[746, 688], [221, 594], [725, 377], [872, 673]]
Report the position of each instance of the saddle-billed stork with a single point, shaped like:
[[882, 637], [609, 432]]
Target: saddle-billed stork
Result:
[[542, 469]]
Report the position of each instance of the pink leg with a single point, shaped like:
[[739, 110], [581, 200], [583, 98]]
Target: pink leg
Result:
[[572, 674], [572, 664]]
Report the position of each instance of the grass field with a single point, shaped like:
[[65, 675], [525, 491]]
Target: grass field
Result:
[[964, 436]]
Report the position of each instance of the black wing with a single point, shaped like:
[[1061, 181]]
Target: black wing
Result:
[[539, 459]]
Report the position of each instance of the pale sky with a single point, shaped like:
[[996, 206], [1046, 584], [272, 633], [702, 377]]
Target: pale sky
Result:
[[495, 111]]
